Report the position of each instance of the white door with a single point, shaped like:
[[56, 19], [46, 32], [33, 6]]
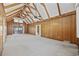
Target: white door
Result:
[[38, 30]]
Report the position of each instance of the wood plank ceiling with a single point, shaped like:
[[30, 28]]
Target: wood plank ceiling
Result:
[[33, 12]]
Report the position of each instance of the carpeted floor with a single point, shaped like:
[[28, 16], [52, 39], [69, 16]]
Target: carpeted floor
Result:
[[30, 45]]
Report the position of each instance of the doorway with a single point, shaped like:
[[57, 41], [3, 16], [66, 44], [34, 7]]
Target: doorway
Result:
[[38, 30], [18, 29]]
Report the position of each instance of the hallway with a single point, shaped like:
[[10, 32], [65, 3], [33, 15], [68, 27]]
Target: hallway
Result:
[[30, 45]]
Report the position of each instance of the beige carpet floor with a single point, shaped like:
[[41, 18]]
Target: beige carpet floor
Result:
[[30, 45]]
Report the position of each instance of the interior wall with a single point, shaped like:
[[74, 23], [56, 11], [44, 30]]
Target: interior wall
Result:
[[61, 28], [25, 28], [31, 29], [10, 27]]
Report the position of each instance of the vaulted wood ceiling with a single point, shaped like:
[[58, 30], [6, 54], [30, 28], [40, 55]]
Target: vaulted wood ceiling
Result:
[[33, 12]]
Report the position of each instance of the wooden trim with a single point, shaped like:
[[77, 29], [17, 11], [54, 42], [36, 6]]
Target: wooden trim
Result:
[[59, 11], [69, 13], [46, 10], [12, 5], [15, 9]]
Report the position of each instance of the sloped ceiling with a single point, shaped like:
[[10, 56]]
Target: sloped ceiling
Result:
[[33, 12]]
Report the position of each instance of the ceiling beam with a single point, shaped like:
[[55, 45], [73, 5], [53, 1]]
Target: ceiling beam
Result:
[[45, 9], [31, 7], [14, 4], [37, 10], [31, 11], [30, 17], [59, 11], [15, 13], [26, 13], [23, 18], [29, 20], [15, 9]]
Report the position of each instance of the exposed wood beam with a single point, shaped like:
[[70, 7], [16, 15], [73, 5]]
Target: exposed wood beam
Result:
[[46, 10], [37, 10], [30, 11], [9, 17], [25, 14], [59, 9], [15, 10], [29, 20], [14, 4], [23, 18], [30, 17], [26, 21], [31, 7]]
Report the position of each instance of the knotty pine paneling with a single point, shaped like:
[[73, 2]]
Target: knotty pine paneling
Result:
[[62, 28], [10, 27], [25, 28], [31, 29]]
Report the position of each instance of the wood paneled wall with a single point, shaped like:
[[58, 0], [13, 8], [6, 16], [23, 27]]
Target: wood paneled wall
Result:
[[10, 27], [61, 28], [25, 28], [31, 29]]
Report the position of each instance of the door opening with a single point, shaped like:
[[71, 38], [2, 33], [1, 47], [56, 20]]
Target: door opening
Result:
[[38, 30]]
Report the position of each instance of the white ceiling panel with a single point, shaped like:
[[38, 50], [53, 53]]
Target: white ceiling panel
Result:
[[6, 4], [52, 9], [41, 10], [12, 12], [66, 7], [13, 8]]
